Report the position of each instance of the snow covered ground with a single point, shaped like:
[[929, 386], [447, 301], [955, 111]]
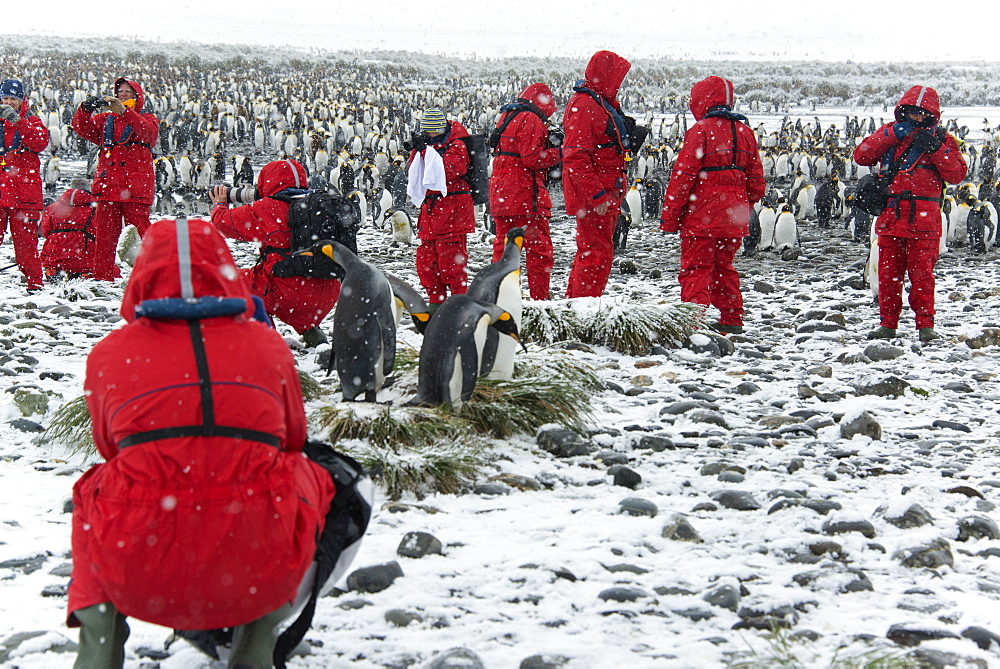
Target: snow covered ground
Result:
[[560, 575]]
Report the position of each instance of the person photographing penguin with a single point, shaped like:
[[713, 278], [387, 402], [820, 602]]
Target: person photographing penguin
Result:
[[921, 157], [439, 161], [124, 180], [22, 137]]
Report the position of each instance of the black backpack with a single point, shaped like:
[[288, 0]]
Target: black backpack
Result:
[[314, 216], [478, 175]]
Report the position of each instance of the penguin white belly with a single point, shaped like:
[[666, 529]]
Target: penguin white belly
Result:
[[767, 219], [508, 299], [871, 268], [785, 233], [943, 242]]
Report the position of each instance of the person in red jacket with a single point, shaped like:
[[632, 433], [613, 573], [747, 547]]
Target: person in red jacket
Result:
[[124, 182], [439, 187], [67, 225], [205, 513], [298, 301], [715, 179], [594, 154], [518, 195], [24, 136], [909, 228]]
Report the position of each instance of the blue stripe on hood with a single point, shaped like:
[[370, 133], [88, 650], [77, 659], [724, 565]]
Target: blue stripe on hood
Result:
[[193, 309]]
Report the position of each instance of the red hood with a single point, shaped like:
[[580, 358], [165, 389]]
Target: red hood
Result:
[[605, 73], [924, 97], [140, 97], [278, 175], [710, 92], [541, 96], [159, 267], [76, 197]]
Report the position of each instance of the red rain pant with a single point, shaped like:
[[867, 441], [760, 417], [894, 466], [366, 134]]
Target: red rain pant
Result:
[[108, 224], [538, 254], [441, 266], [897, 257], [707, 276]]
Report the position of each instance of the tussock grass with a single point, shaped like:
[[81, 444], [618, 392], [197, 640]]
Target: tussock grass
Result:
[[626, 326], [311, 388], [441, 467], [390, 427], [505, 408], [784, 651], [76, 290], [71, 427]]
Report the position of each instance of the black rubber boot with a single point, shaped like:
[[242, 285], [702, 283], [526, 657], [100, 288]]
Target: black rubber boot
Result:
[[313, 337]]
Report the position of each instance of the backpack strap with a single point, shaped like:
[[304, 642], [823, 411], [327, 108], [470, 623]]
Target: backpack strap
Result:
[[732, 165], [208, 427]]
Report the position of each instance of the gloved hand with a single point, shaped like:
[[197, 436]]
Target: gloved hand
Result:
[[903, 129], [671, 227], [927, 141], [8, 113], [555, 137]]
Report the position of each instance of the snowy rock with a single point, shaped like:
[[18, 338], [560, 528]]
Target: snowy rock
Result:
[[418, 544], [951, 425], [374, 579], [747, 388], [25, 425], [843, 526], [402, 617], [456, 658], [655, 443], [679, 529], [562, 443], [624, 477], [710, 417], [724, 595], [932, 555], [622, 594], [881, 351], [544, 662], [678, 408], [977, 527], [914, 516], [636, 506], [864, 424], [27, 565], [913, 635], [983, 638], [611, 457], [889, 386], [740, 500]]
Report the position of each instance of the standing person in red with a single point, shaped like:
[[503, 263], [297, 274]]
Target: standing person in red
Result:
[[67, 225], [205, 513], [24, 137], [518, 196], [439, 161], [298, 301], [909, 228], [717, 176], [124, 182], [594, 154]]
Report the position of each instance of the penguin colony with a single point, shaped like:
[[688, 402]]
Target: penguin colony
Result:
[[346, 122]]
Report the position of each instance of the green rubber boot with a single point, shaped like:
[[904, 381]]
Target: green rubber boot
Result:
[[882, 332], [103, 632], [928, 334], [253, 643]]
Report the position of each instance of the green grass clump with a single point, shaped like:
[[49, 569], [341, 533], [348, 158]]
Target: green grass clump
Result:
[[71, 427], [548, 322], [444, 467], [505, 408]]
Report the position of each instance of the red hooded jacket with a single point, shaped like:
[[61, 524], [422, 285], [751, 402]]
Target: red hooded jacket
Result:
[[206, 513], [297, 301], [718, 173], [593, 160], [69, 237], [517, 184], [125, 162], [20, 168], [453, 214], [922, 175]]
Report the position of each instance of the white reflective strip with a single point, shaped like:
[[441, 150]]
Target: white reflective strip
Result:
[[920, 97], [184, 259], [729, 93], [295, 173]]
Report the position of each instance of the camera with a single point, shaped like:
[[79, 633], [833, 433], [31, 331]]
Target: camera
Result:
[[416, 143], [555, 137], [243, 195], [94, 103]]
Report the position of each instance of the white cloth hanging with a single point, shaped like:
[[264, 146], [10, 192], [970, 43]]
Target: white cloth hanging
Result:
[[426, 173]]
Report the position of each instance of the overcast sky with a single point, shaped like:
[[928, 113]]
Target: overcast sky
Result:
[[776, 29]]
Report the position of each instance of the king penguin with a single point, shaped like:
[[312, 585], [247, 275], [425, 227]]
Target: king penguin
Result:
[[450, 357], [767, 217], [500, 284], [786, 232], [364, 326]]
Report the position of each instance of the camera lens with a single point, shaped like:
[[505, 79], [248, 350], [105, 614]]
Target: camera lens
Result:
[[243, 195]]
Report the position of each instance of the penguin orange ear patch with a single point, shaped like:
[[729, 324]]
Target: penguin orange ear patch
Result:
[[328, 251], [422, 316], [504, 316]]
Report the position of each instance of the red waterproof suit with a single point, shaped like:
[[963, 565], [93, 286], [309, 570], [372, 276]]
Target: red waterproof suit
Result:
[[21, 188], [444, 222], [909, 228], [297, 301], [206, 513], [716, 177], [124, 183], [593, 173], [67, 225], [518, 196]]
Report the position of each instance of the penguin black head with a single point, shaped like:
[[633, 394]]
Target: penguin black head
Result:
[[516, 236], [505, 324]]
